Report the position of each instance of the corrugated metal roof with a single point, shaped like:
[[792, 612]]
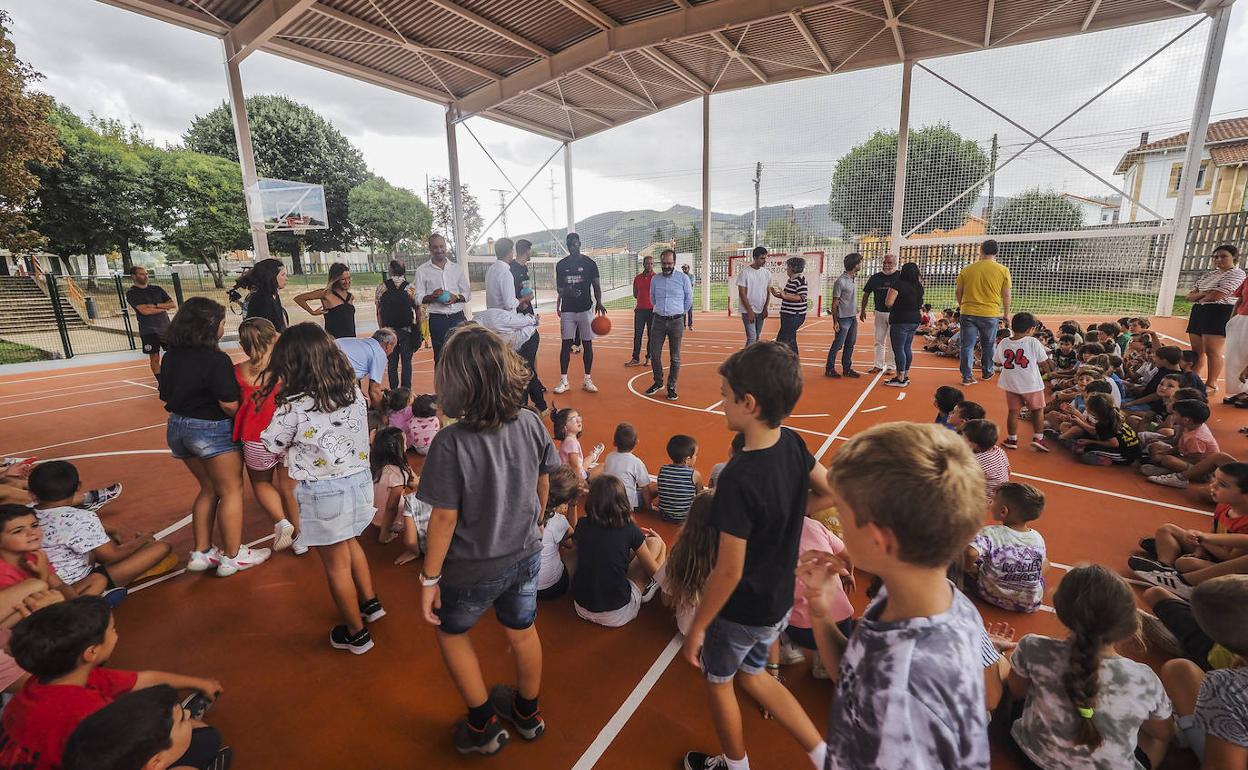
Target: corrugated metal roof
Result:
[[609, 60]]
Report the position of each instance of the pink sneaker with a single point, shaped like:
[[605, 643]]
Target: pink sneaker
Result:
[[246, 559]]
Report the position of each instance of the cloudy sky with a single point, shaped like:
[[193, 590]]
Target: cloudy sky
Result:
[[97, 58]]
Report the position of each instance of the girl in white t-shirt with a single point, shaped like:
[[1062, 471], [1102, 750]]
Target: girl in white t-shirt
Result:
[[683, 576], [554, 576], [1023, 360]]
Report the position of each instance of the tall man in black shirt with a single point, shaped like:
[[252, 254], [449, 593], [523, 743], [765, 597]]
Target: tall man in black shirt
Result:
[[152, 305], [575, 276], [876, 290]]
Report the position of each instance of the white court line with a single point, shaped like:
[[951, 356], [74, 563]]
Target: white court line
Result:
[[93, 388], [143, 385], [115, 454], [83, 386], [901, 396], [174, 527], [1108, 493], [1184, 343], [75, 406], [848, 416], [83, 440], [712, 407], [629, 706], [872, 409], [72, 374]]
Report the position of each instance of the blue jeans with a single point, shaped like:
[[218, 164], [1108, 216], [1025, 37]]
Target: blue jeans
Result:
[[731, 647], [846, 338], [752, 328], [191, 437], [512, 593], [789, 324], [440, 327], [902, 338], [985, 329]]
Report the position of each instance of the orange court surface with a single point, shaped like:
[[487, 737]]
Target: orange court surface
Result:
[[612, 698]]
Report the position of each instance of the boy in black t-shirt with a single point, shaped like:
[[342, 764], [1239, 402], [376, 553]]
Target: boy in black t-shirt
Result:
[[761, 498]]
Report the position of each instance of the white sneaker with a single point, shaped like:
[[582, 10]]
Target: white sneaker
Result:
[[790, 653], [1176, 480], [298, 548], [1154, 470], [1170, 580], [817, 669], [246, 559], [283, 535], [202, 561], [104, 496], [562, 387], [590, 387]]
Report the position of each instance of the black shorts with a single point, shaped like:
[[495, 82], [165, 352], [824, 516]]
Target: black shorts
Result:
[[1209, 318], [1176, 615], [153, 342], [100, 570]]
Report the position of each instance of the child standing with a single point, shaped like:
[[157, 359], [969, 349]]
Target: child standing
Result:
[[321, 427], [616, 560], [269, 479], [683, 576], [982, 436], [1007, 560], [487, 478], [678, 482], [628, 467], [947, 399], [554, 577], [911, 688], [1020, 358], [760, 502], [1084, 703]]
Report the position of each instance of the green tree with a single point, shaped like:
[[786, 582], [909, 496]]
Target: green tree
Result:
[[782, 233], [940, 163], [658, 234], [131, 213], [387, 215], [691, 243], [201, 208], [292, 142], [444, 215], [1035, 211], [28, 139]]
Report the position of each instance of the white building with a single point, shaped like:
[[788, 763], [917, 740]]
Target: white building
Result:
[[1151, 173], [1095, 211]]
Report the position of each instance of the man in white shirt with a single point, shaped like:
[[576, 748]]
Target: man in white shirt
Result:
[[443, 286], [503, 317], [753, 288], [500, 285]]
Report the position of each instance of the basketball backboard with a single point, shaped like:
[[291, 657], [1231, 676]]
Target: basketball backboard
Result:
[[282, 205]]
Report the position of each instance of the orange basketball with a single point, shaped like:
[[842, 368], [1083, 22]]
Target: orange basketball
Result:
[[601, 325]]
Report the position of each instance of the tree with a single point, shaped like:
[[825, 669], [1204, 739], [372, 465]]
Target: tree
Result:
[[658, 234], [1034, 211], [131, 215], [691, 243], [444, 215], [27, 139], [782, 233], [292, 142], [387, 215], [940, 163], [201, 208]]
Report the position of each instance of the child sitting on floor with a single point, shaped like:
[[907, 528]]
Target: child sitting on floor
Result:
[[964, 413], [1194, 443], [1006, 562], [22, 556], [422, 423], [77, 544], [1158, 411], [1177, 559], [616, 560], [678, 481], [1065, 359], [394, 496], [628, 467], [683, 576], [1111, 440], [982, 435], [738, 441], [568, 427], [1084, 703], [1190, 378], [1165, 361], [64, 647], [554, 576], [946, 400]]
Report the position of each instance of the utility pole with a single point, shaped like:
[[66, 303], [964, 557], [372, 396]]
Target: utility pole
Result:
[[992, 185], [502, 209], [758, 176]]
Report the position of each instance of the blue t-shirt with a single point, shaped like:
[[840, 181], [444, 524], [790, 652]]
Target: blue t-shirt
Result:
[[366, 357]]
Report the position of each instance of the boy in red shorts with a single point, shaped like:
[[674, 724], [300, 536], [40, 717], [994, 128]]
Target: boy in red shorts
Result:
[[1022, 360]]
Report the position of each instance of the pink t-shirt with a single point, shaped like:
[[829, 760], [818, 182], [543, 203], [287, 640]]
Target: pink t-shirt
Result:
[[816, 537], [572, 446], [401, 419], [421, 431], [10, 672], [11, 574], [391, 476], [1198, 441]]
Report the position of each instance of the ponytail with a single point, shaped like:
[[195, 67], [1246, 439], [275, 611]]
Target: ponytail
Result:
[[1082, 682]]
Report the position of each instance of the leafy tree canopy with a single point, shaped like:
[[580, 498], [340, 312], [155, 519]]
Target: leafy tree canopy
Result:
[[387, 215], [201, 208]]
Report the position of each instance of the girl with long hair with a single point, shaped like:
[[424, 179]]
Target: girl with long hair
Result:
[[683, 576], [201, 395], [321, 427], [337, 302], [554, 576], [269, 480], [266, 280], [1086, 706], [904, 302]]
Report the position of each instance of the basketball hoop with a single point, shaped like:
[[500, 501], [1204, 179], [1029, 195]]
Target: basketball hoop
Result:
[[299, 231], [278, 205]]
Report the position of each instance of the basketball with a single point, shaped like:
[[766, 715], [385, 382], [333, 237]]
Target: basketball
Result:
[[601, 325], [445, 296]]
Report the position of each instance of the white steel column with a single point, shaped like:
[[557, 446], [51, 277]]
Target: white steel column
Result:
[[569, 198], [1221, 19], [897, 234], [457, 198], [706, 203], [242, 135]]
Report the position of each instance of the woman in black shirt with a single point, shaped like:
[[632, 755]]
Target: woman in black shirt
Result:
[[201, 395], [336, 302], [905, 303], [265, 280]]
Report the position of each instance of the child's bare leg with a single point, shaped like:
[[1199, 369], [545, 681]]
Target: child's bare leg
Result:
[[360, 575], [266, 493], [411, 544], [1169, 543], [125, 570], [464, 668], [336, 559], [204, 509], [1171, 462], [226, 472], [286, 490], [1207, 465], [92, 585], [526, 649], [1037, 424], [726, 716], [637, 571], [1011, 423], [1236, 566], [776, 698]]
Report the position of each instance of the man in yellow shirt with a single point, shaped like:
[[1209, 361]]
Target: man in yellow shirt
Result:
[[984, 299]]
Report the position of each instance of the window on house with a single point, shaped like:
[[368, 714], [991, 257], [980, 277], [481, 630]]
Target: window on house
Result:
[[1203, 178]]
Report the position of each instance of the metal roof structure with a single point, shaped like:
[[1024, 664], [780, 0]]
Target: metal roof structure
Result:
[[567, 69]]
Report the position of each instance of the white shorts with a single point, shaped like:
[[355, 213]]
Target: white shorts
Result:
[[615, 618], [571, 323]]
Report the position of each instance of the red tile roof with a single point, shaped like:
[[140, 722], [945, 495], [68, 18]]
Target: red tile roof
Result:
[[1219, 131], [1229, 154]]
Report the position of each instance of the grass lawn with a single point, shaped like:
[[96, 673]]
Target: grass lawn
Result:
[[13, 353]]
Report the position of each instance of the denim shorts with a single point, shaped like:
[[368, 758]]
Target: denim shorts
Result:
[[731, 647], [191, 437], [332, 511], [512, 592]]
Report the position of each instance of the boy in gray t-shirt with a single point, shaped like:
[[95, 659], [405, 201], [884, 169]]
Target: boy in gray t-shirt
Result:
[[844, 312]]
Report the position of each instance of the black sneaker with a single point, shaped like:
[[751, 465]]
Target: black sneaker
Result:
[[655, 388], [696, 760], [671, 394], [1149, 546], [372, 611], [852, 373], [1145, 564], [831, 373], [342, 639], [503, 699], [487, 741]]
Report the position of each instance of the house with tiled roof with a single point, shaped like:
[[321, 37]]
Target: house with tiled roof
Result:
[[1095, 211], [1151, 173]]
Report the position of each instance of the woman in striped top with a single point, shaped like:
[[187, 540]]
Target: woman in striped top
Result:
[[1214, 302], [792, 302], [678, 483]]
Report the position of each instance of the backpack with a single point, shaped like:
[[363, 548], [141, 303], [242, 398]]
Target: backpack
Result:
[[396, 306]]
